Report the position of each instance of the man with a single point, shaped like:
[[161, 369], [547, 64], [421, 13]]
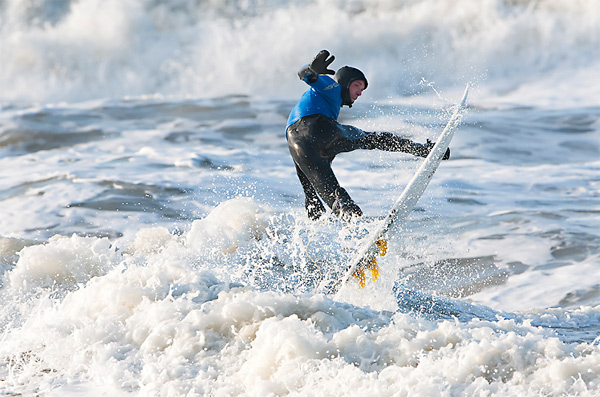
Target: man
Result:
[[315, 137]]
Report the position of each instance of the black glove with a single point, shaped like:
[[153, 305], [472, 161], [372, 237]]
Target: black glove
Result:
[[423, 150], [320, 63], [429, 145]]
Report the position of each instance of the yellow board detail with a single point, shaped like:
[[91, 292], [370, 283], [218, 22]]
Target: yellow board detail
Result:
[[373, 266], [360, 275], [382, 245]]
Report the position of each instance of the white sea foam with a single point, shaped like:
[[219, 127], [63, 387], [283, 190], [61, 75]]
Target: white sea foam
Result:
[[152, 321], [153, 239], [62, 262], [163, 327], [54, 51], [228, 225]]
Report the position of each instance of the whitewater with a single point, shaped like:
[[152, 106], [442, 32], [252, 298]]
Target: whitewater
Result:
[[153, 238]]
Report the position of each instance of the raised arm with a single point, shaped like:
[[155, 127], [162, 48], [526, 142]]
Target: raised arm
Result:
[[310, 73]]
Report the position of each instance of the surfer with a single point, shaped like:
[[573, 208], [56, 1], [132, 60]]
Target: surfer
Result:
[[315, 137]]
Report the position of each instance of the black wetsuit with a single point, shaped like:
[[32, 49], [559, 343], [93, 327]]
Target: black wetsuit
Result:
[[315, 138]]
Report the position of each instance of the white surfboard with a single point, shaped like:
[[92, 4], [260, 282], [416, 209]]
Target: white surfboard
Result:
[[407, 200]]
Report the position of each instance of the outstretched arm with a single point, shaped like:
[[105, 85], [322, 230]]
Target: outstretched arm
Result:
[[393, 143]]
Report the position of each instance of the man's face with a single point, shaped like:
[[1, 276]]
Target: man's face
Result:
[[356, 88]]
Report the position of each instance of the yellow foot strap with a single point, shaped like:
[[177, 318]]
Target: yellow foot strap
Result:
[[373, 266], [360, 275], [382, 245]]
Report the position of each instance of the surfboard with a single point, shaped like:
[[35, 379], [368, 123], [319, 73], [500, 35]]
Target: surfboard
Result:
[[376, 242]]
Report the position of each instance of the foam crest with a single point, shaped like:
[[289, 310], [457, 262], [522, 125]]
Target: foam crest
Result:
[[227, 226], [62, 262], [161, 319], [91, 48], [242, 341]]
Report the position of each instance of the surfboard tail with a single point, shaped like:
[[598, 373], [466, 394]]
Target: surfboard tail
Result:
[[368, 251]]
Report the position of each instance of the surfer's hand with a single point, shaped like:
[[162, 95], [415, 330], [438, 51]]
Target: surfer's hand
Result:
[[446, 155], [429, 145], [320, 63]]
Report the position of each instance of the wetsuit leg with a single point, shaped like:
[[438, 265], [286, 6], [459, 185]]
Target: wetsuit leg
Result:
[[317, 170], [314, 141], [312, 203], [308, 141]]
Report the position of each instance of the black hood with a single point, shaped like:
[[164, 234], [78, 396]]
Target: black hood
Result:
[[344, 77]]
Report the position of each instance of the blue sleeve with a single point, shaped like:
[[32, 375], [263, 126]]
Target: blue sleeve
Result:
[[327, 87], [324, 97]]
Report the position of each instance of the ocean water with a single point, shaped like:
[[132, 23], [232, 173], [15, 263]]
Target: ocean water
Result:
[[153, 239]]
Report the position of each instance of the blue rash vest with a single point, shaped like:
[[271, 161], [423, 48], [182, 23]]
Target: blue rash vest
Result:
[[323, 97]]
